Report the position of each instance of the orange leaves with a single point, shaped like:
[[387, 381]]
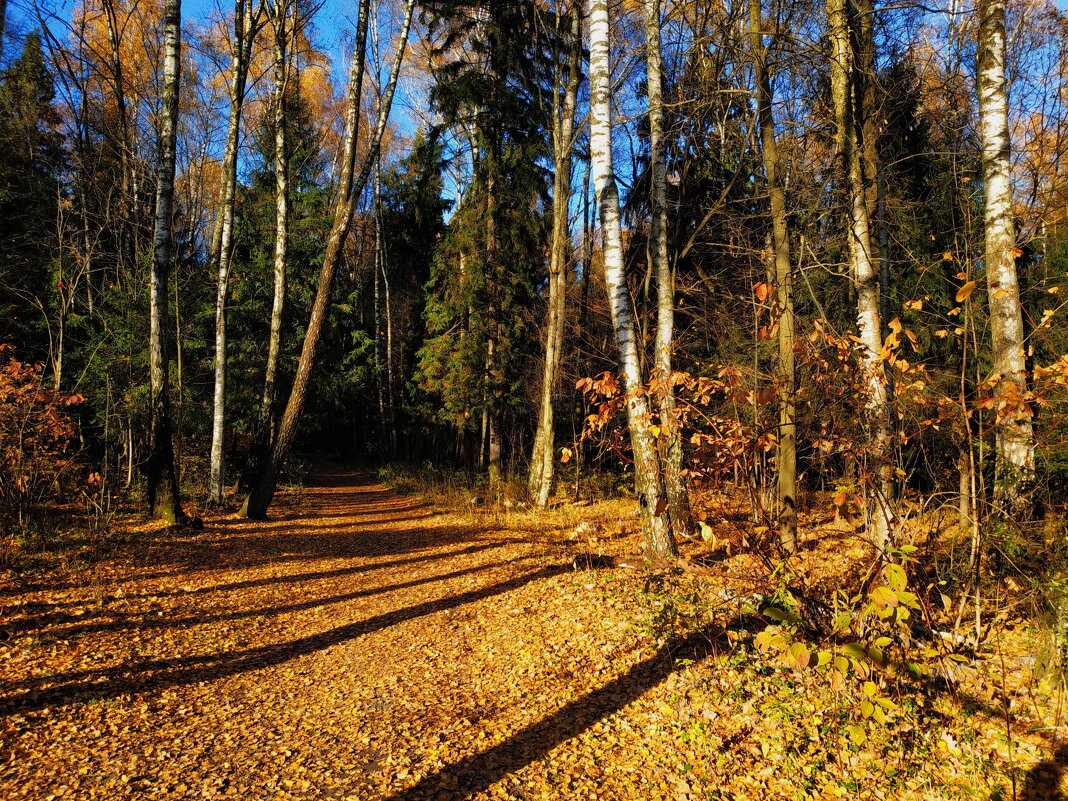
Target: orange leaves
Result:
[[765, 395], [965, 291], [605, 385], [135, 31], [37, 435]]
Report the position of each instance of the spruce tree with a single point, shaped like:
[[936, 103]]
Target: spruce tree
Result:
[[30, 158], [484, 275]]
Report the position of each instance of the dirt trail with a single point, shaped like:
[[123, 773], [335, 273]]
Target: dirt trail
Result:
[[363, 646], [358, 645]]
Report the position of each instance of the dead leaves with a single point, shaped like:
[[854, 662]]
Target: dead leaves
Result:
[[546, 689]]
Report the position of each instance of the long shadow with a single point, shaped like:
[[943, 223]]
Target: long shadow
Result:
[[42, 614], [352, 522], [272, 611], [1043, 781], [309, 519], [303, 578], [178, 553], [476, 773], [259, 548], [163, 673]]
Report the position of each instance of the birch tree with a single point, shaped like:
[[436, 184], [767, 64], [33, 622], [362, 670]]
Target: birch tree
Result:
[[163, 497], [283, 35], [849, 111], [565, 96], [1014, 436], [245, 27], [658, 538], [670, 440], [350, 186]]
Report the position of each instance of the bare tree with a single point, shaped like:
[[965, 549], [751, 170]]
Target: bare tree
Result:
[[849, 107], [659, 541], [670, 439], [246, 25], [780, 246], [263, 434]]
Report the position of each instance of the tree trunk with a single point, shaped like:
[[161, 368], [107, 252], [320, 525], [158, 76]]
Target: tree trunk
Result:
[[377, 261], [849, 113], [670, 439], [780, 247], [659, 541], [391, 396], [1015, 466], [539, 482], [262, 492], [263, 434], [163, 496], [239, 67]]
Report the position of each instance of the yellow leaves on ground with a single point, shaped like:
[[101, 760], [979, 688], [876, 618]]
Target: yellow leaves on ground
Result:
[[359, 646]]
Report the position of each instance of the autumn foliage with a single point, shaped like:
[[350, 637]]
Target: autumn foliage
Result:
[[38, 443]]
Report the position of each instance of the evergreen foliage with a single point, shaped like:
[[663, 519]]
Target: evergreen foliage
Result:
[[31, 156]]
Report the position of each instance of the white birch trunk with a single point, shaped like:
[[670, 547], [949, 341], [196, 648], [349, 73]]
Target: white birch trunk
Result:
[[659, 542], [670, 441], [163, 496], [864, 270], [263, 434], [239, 66], [281, 221], [1015, 468]]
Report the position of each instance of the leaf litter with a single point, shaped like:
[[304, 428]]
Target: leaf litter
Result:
[[362, 645]]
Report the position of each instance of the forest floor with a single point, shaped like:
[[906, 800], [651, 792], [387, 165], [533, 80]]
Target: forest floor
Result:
[[363, 644]]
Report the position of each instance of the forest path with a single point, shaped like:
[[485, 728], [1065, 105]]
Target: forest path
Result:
[[357, 645]]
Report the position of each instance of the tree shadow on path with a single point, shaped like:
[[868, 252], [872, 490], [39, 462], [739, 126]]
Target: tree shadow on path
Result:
[[155, 675], [476, 773], [139, 624]]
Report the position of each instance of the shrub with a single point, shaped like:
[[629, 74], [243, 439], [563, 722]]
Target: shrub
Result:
[[38, 444]]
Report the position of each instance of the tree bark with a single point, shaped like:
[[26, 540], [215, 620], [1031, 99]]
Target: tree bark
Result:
[[263, 433], [1015, 466], [658, 538], [262, 492], [539, 482], [780, 246], [163, 496], [242, 45], [391, 396], [670, 439], [849, 114]]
